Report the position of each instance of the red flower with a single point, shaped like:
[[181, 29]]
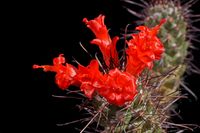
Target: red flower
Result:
[[64, 73], [103, 40], [119, 87], [90, 78], [143, 49]]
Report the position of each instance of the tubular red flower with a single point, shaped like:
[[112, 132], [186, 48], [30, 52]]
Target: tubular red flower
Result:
[[119, 87], [143, 49], [103, 40], [89, 77], [64, 73]]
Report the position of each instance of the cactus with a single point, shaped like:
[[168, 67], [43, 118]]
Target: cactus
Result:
[[151, 109], [155, 86], [156, 109], [173, 35]]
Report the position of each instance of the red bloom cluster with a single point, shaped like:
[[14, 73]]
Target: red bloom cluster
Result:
[[118, 87]]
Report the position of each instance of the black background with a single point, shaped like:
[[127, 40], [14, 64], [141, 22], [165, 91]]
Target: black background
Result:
[[41, 31]]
